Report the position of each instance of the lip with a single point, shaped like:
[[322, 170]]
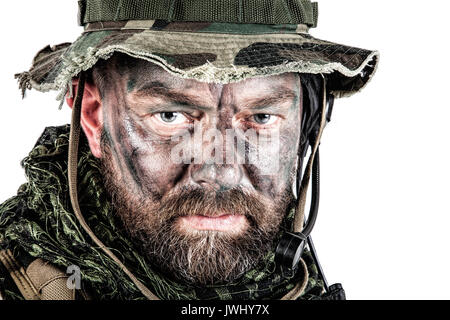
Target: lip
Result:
[[226, 223]]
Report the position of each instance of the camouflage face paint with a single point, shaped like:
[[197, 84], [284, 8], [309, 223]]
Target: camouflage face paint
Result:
[[197, 202]]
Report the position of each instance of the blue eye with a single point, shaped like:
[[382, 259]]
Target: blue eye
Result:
[[168, 116], [262, 118], [171, 118]]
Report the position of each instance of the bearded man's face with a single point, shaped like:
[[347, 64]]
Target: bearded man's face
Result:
[[207, 219]]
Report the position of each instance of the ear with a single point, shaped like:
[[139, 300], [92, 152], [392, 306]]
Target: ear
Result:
[[91, 115]]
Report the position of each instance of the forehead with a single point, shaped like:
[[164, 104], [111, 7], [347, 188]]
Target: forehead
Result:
[[140, 73]]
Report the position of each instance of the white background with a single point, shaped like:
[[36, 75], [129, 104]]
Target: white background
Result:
[[383, 229]]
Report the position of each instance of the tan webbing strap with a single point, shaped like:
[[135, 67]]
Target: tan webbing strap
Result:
[[40, 281], [50, 282], [19, 276], [300, 213], [73, 191], [300, 287]]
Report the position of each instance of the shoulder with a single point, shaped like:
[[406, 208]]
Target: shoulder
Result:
[[24, 210]]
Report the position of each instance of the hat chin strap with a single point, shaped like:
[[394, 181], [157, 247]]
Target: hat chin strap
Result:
[[75, 130]]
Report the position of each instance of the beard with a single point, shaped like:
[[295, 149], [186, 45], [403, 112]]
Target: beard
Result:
[[195, 257]]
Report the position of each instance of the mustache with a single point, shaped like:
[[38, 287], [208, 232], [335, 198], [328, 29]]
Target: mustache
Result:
[[191, 201]]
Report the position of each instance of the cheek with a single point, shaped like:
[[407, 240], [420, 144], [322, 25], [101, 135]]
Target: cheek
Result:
[[275, 169], [288, 156], [273, 173], [289, 143], [156, 171], [151, 159]]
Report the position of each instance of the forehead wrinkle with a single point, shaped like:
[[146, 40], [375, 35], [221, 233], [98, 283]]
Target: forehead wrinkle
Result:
[[153, 81], [151, 76]]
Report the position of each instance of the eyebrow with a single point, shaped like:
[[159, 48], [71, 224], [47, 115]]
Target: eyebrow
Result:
[[159, 89], [279, 96]]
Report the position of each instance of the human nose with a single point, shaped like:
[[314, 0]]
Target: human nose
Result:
[[219, 177]]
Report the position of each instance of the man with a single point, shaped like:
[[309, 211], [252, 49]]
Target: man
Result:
[[187, 180]]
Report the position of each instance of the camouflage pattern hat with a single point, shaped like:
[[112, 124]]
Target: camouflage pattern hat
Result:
[[220, 41]]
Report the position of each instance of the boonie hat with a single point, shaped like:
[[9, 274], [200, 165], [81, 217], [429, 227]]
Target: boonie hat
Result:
[[219, 41]]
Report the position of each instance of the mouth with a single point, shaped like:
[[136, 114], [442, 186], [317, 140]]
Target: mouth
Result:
[[228, 223]]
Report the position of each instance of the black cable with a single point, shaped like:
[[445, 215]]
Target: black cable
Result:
[[312, 217]]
